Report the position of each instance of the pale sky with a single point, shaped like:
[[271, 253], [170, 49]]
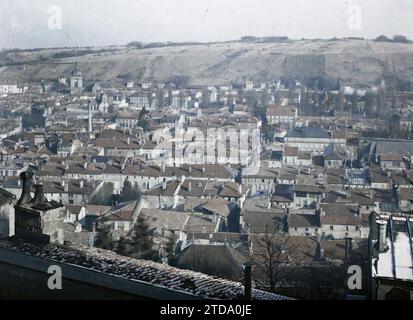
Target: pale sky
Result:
[[25, 23]]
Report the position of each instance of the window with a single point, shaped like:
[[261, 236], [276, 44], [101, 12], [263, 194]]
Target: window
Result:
[[331, 228]]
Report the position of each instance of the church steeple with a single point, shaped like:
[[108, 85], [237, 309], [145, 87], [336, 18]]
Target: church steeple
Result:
[[76, 80]]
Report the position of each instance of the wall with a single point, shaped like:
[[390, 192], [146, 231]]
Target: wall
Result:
[[26, 277], [7, 220]]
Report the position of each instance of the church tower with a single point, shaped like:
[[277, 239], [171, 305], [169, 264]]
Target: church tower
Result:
[[76, 81]]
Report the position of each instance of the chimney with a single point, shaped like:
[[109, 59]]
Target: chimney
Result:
[[190, 170], [320, 250], [81, 184], [247, 280], [164, 185], [240, 188], [190, 187], [348, 248], [128, 141], [203, 169], [26, 181], [85, 165], [94, 227], [382, 235], [39, 197]]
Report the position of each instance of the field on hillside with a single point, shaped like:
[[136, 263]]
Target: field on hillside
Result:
[[354, 61]]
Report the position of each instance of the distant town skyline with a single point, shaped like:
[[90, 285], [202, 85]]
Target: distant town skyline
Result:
[[26, 24]]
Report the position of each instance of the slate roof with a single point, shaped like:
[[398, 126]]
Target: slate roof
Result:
[[388, 146], [308, 132]]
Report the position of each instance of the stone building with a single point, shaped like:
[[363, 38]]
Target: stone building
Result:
[[37, 219], [76, 81]]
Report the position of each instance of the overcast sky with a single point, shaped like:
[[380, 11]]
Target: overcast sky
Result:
[[25, 23]]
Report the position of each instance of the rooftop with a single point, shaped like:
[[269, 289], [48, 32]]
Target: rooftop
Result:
[[192, 283], [397, 261]]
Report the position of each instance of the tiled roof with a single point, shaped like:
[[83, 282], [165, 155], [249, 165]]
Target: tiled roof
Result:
[[341, 214], [6, 196], [303, 221], [192, 283]]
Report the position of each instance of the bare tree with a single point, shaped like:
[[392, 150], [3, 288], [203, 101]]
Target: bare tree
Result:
[[273, 259]]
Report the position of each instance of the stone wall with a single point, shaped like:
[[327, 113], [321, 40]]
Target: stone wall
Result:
[[25, 277]]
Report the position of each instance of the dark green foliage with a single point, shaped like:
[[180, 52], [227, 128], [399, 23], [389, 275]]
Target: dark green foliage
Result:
[[143, 121], [139, 245], [268, 132], [121, 246], [170, 249], [104, 239], [129, 192]]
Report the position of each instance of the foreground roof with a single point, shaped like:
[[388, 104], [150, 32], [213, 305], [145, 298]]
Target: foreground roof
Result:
[[192, 283]]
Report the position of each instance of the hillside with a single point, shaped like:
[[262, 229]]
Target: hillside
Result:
[[354, 61]]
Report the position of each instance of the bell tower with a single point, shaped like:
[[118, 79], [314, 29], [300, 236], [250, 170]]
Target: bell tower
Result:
[[76, 80]]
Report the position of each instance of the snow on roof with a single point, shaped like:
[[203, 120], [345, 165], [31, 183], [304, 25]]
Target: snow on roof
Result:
[[397, 261]]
